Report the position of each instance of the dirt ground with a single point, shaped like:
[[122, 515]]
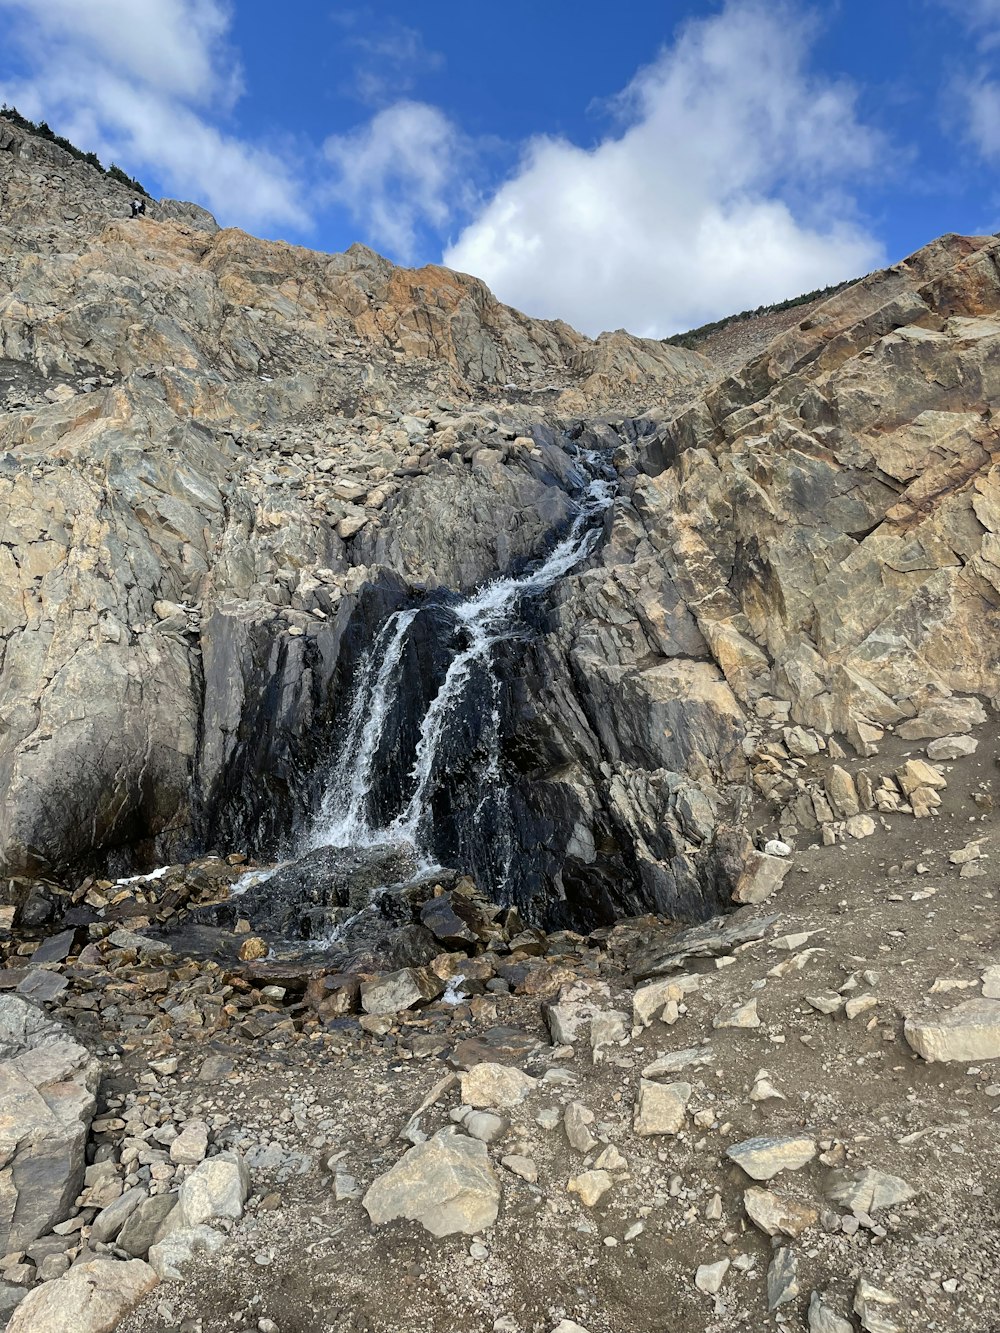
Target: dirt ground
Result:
[[889, 911]]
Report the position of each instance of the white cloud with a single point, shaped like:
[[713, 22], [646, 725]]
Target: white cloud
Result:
[[978, 104], [400, 171], [722, 189], [387, 57], [142, 85]]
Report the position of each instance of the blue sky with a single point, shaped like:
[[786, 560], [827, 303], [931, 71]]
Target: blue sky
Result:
[[645, 165]]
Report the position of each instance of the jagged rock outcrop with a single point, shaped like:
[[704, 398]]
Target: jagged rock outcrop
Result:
[[225, 462]]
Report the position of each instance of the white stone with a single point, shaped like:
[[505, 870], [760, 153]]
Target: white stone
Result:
[[445, 1184], [763, 1158], [91, 1298], [661, 1107], [709, 1277]]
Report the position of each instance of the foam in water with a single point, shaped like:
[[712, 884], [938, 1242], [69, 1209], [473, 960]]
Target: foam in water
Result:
[[485, 619]]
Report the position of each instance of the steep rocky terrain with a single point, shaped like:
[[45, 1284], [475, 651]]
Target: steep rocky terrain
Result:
[[744, 637]]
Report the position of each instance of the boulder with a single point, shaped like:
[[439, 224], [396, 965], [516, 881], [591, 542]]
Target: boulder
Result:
[[969, 1031], [446, 1184], [217, 1188], [396, 991], [865, 1190], [490, 1086], [47, 1099], [92, 1297]]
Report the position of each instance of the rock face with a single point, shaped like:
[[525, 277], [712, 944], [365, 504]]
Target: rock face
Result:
[[47, 1090], [445, 1184], [225, 463]]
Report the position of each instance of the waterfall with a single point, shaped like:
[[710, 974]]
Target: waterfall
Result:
[[346, 817]]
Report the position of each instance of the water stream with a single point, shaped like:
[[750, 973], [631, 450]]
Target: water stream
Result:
[[352, 812]]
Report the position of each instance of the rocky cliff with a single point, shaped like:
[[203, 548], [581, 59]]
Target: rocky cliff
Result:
[[225, 461]]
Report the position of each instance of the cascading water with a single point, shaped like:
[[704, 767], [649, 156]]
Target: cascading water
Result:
[[463, 716]]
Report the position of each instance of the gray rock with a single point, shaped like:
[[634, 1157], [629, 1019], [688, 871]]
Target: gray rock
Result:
[[824, 1320], [109, 1221], [216, 1189], [144, 1226], [763, 1158], [401, 990], [865, 1190], [782, 1278], [47, 1100], [446, 1184], [191, 1145]]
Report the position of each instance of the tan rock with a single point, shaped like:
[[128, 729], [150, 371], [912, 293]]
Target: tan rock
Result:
[[762, 875], [91, 1298], [445, 1184], [661, 1107], [591, 1186], [778, 1214], [969, 1031], [496, 1086]]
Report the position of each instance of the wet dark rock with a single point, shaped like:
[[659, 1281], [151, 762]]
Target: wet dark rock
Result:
[[444, 923], [306, 898]]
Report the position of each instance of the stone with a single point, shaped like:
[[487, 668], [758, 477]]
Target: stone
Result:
[[762, 876], [916, 774], [709, 1277], [47, 1099], [576, 1120], [763, 1158], [396, 991], [951, 747], [763, 1089], [969, 1031], [649, 1000], [609, 1027], [865, 1190], [142, 1228], [109, 1221], [445, 1184], [491, 1085], [777, 1214], [568, 1326], [252, 948], [841, 792], [991, 983], [823, 1320], [485, 1126], [168, 1256], [191, 1145], [216, 1189], [743, 1016], [610, 1159], [591, 1186], [92, 1297], [691, 1057], [521, 1166], [661, 1107], [782, 1278], [871, 1305]]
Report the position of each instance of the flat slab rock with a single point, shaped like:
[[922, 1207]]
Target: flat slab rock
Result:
[[91, 1298], [712, 939], [446, 1184], [969, 1031], [763, 1158]]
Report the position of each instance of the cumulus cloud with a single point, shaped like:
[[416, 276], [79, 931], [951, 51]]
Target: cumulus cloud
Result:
[[972, 99], [400, 171], [722, 187], [145, 89]]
